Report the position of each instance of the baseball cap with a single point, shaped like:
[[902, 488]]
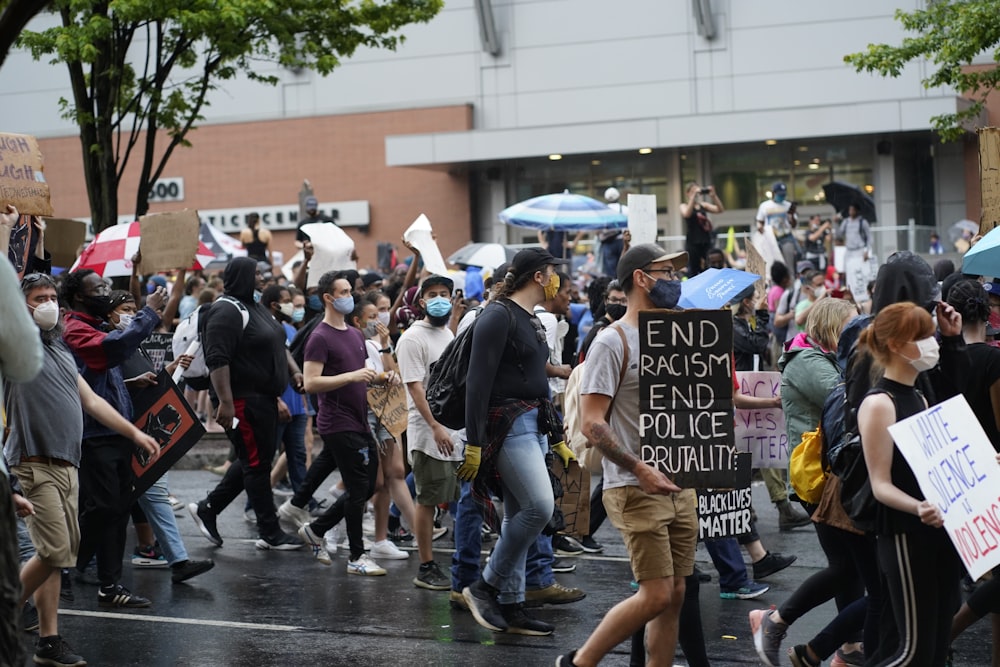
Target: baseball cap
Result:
[[436, 279], [992, 288], [530, 260], [642, 255], [370, 278], [311, 203], [804, 265], [779, 187]]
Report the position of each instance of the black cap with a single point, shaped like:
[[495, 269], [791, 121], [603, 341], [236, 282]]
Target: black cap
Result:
[[642, 255], [370, 278], [436, 279], [530, 260]]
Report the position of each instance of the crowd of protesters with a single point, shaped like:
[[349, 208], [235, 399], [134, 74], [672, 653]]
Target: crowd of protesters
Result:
[[282, 358]]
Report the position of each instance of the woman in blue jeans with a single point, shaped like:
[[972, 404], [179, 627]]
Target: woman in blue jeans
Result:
[[508, 418]]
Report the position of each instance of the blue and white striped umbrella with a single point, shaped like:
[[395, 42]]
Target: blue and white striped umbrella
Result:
[[564, 212]]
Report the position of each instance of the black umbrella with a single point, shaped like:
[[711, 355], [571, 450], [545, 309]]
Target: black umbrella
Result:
[[841, 195]]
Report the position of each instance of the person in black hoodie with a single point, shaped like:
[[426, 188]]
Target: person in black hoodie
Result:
[[249, 364]]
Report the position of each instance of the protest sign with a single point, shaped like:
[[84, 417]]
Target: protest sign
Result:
[[714, 288], [723, 512], [642, 218], [160, 348], [758, 266], [169, 240], [762, 432], [955, 466], [860, 272], [989, 177], [22, 181], [333, 250], [63, 238], [686, 397], [388, 403], [161, 412], [575, 500], [420, 236]]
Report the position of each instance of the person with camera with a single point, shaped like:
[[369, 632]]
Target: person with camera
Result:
[[699, 233]]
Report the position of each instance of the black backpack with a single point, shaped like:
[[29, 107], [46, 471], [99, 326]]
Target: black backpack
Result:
[[298, 345], [446, 378]]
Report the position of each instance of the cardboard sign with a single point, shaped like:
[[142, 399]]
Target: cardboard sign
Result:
[[333, 250], [686, 397], [859, 273], [169, 240], [723, 513], [389, 405], [989, 177], [63, 239], [420, 236], [575, 501], [762, 432], [757, 265], [22, 181], [955, 466], [160, 348], [162, 412], [642, 218]]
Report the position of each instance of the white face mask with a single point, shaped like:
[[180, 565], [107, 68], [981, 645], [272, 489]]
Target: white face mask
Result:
[[383, 318], [819, 292], [287, 309], [124, 319], [46, 315], [929, 354]]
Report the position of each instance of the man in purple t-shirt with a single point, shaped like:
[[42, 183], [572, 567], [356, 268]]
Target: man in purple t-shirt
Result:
[[335, 369]]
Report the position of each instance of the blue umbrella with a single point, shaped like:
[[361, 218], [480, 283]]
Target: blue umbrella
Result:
[[714, 288], [983, 259], [564, 212]]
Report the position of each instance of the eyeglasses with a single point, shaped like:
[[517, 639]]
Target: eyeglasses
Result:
[[539, 330], [667, 272], [616, 300]]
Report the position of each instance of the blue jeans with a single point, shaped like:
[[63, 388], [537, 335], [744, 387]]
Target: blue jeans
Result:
[[728, 560], [293, 435], [528, 505], [25, 547], [155, 504]]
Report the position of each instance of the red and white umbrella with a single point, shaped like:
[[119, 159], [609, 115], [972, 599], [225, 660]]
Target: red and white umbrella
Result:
[[110, 253]]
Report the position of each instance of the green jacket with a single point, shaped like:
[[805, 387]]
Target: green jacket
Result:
[[808, 376]]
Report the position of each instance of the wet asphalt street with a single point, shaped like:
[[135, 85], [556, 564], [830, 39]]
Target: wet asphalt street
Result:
[[284, 608]]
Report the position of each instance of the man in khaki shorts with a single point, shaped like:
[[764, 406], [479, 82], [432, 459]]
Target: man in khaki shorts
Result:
[[43, 450], [657, 519], [432, 453]]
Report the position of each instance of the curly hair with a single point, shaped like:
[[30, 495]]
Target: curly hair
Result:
[[970, 300], [72, 286]]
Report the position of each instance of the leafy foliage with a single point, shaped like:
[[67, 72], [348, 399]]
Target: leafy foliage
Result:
[[950, 34], [139, 66]]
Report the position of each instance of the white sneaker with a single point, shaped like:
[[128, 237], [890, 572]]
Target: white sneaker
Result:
[[439, 533], [333, 538], [364, 566], [176, 504], [294, 515], [250, 516], [319, 550], [386, 550]]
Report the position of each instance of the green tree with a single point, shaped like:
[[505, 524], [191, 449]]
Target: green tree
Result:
[[137, 67], [950, 35]]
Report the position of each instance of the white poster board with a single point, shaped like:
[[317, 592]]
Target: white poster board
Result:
[[333, 250], [859, 273], [642, 218], [421, 237], [762, 432], [955, 466]]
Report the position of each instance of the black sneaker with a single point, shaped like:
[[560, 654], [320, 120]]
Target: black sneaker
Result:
[[66, 587], [482, 601], [566, 660], [770, 564], [401, 536], [799, 657], [118, 596], [280, 542], [590, 545], [563, 566], [432, 578], [520, 623], [564, 545], [189, 568], [205, 518], [29, 617], [55, 652]]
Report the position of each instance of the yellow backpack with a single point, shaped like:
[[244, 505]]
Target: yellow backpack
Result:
[[805, 470]]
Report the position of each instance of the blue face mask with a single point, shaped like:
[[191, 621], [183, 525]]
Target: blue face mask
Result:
[[779, 197], [665, 293], [439, 306], [256, 296], [344, 305], [315, 302], [298, 315]]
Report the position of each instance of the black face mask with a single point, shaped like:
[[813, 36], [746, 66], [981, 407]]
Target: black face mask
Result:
[[615, 311], [99, 305]]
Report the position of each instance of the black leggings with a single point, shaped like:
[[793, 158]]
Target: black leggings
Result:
[[986, 598], [689, 632], [840, 579]]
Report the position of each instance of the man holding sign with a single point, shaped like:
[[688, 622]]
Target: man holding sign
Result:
[[657, 518]]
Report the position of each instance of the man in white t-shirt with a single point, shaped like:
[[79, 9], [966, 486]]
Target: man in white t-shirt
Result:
[[552, 315], [433, 451], [776, 213]]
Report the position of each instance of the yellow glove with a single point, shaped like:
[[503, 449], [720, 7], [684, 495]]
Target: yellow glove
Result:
[[565, 453], [470, 466]]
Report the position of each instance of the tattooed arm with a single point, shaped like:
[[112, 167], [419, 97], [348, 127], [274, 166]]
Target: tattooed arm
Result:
[[593, 407]]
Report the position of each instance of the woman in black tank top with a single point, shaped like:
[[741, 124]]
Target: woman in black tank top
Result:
[[920, 566]]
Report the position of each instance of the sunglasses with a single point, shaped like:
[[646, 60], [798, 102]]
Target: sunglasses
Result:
[[33, 278], [539, 330]]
